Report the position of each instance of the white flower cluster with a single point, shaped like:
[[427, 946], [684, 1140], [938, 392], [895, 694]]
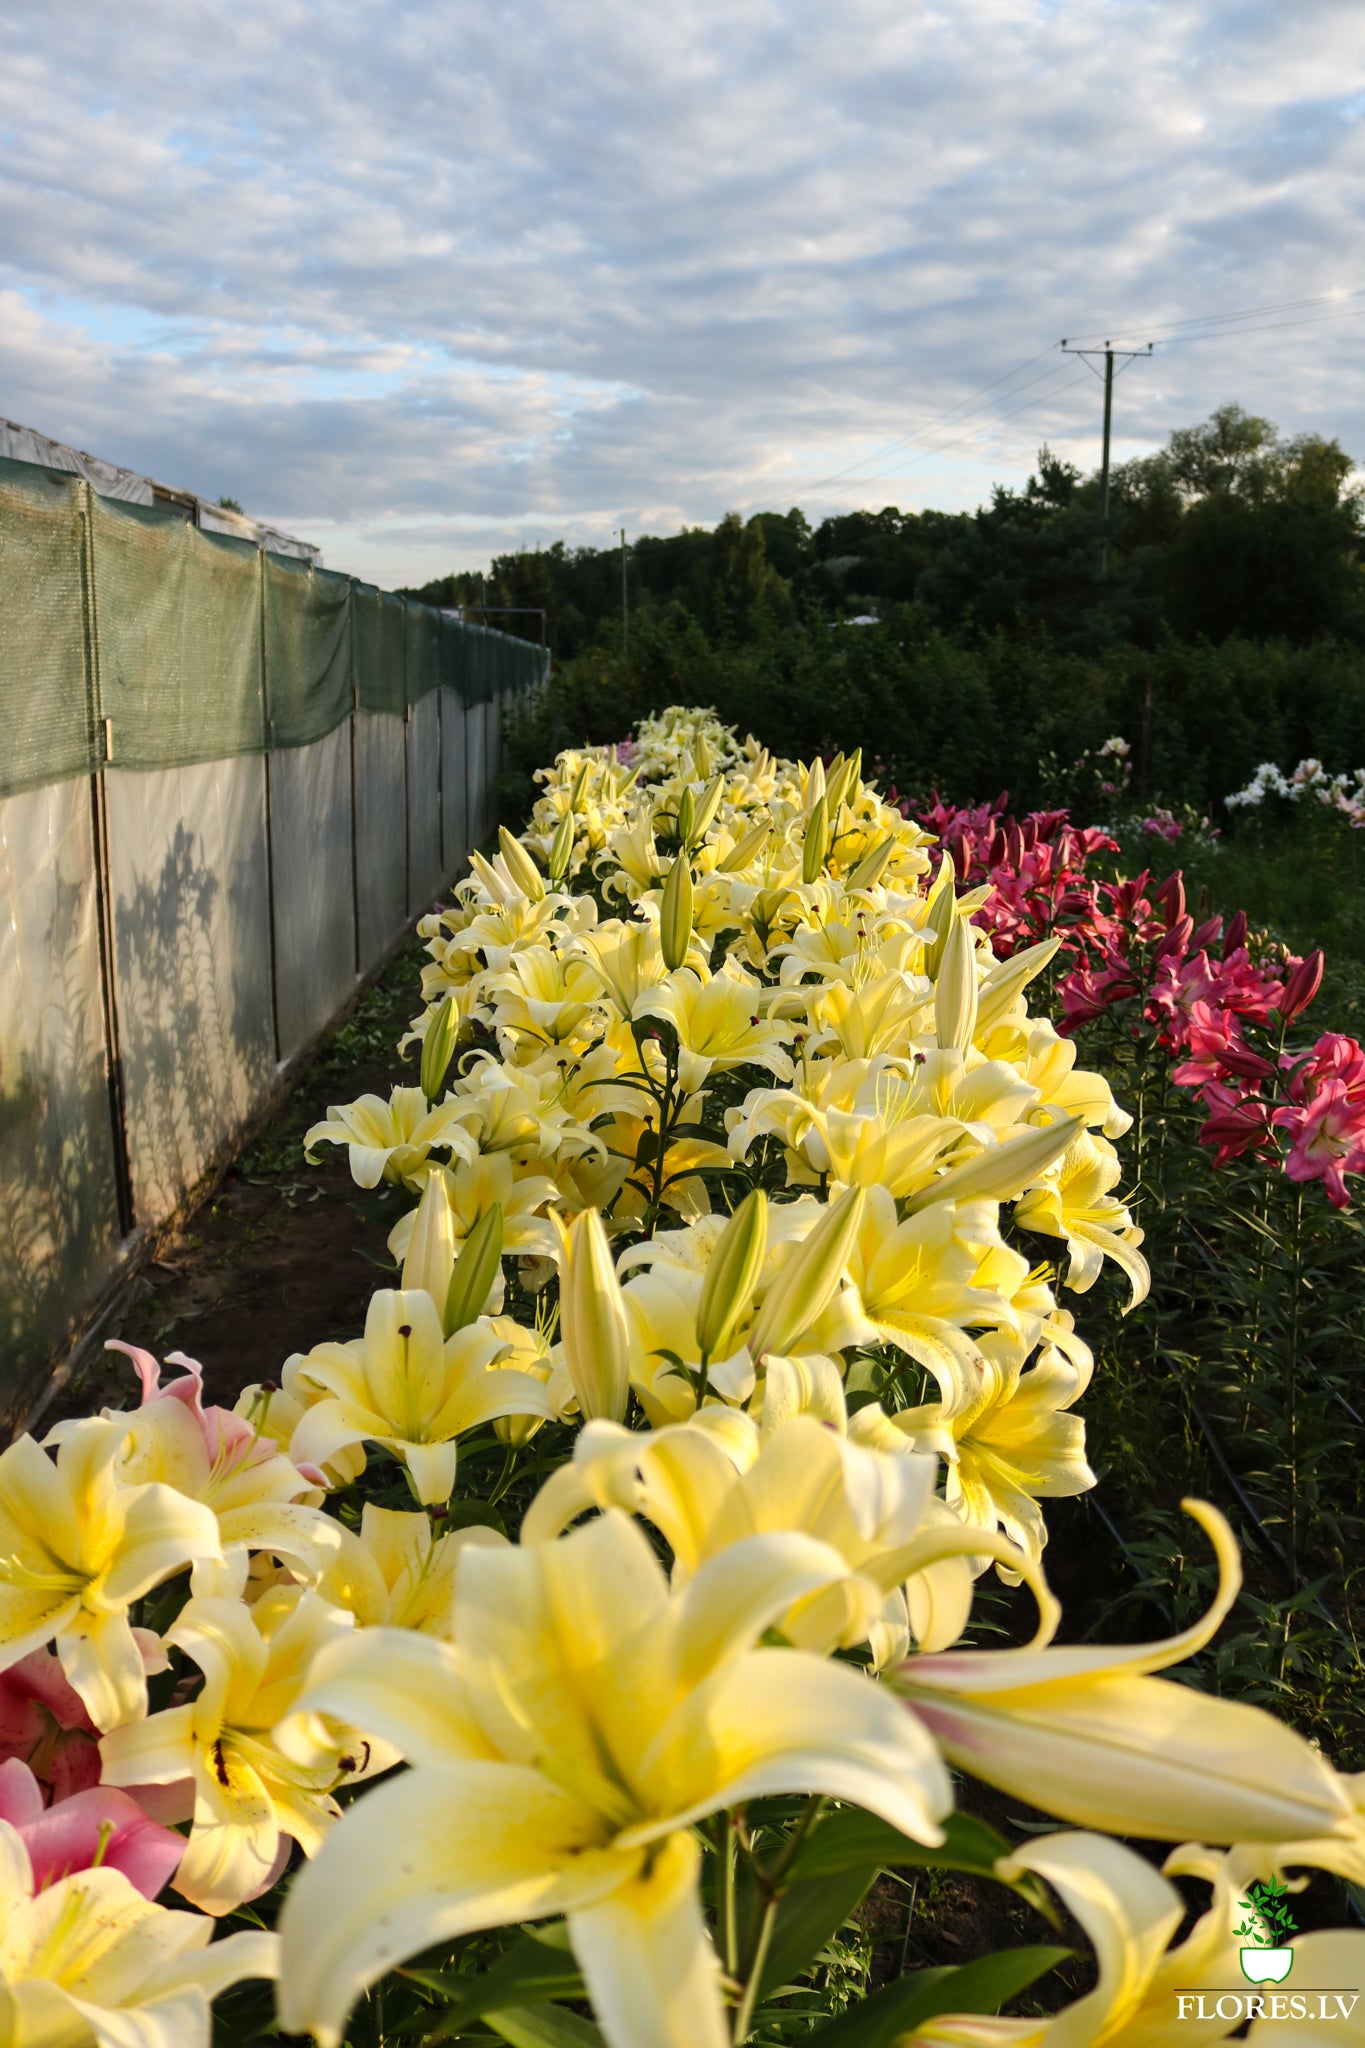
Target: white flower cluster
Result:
[[1344, 792]]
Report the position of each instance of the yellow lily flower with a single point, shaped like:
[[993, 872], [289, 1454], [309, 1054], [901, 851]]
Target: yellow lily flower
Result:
[[409, 1388], [924, 1283], [708, 1486], [472, 1189], [719, 1025], [562, 1751], [1088, 1734], [545, 997], [89, 1963], [1073, 1202], [1012, 1441], [627, 959], [275, 1413], [250, 1799], [77, 1548], [392, 1140], [1148, 1994], [396, 1571]]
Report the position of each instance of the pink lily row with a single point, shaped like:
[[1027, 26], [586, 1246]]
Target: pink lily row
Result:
[[1201, 987]]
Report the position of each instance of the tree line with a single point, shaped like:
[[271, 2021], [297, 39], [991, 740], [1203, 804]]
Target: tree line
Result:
[[1231, 530]]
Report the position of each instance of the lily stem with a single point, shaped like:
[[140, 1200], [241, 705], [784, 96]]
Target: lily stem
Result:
[[744, 2016]]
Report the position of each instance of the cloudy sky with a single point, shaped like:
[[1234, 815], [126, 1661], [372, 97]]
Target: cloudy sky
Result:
[[422, 281]]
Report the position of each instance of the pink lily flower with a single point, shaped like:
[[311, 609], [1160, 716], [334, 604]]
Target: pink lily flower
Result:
[[98, 1828], [44, 1726]]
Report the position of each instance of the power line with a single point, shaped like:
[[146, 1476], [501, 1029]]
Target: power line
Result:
[[1242, 313], [1216, 326], [945, 447], [1268, 327], [926, 426], [1048, 375]]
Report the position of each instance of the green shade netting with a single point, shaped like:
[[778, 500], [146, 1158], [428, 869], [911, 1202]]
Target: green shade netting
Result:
[[377, 634], [307, 650], [179, 617], [422, 651], [45, 715]]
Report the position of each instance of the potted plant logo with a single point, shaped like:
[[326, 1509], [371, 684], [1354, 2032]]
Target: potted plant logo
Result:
[[1266, 1928]]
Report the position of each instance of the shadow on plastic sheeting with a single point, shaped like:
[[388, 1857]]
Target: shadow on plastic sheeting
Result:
[[194, 1019], [59, 1230]]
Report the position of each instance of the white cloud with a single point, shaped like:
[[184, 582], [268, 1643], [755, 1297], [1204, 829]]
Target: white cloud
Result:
[[424, 281]]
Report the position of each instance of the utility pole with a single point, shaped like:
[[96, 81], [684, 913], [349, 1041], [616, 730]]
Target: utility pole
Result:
[[1109, 352], [625, 614]]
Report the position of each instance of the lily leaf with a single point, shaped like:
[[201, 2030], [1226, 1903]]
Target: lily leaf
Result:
[[976, 1987]]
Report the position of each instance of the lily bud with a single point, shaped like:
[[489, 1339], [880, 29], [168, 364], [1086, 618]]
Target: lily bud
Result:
[[872, 866], [1236, 934], [701, 754], [940, 906], [580, 784], [687, 816], [816, 844], [592, 1319], [706, 809], [476, 1269], [675, 916], [1002, 1171], [1171, 896], [520, 866], [438, 1047], [561, 848], [732, 1275], [744, 850], [1005, 983], [955, 988], [1302, 985], [431, 1248], [853, 788], [805, 1286], [815, 783]]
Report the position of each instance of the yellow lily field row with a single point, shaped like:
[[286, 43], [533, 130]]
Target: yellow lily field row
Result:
[[728, 1133]]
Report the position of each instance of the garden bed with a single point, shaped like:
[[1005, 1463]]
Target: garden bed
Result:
[[754, 1198]]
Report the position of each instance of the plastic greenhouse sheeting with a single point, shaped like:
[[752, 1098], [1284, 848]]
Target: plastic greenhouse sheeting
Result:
[[473, 771], [378, 628], [425, 870], [58, 1195], [492, 761], [454, 796], [310, 822], [45, 710], [381, 840], [140, 659], [179, 616], [307, 651], [191, 917]]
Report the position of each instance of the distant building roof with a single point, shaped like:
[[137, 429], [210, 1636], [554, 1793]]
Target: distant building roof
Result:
[[26, 444]]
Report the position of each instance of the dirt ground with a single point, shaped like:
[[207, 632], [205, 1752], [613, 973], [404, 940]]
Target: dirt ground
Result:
[[282, 1255]]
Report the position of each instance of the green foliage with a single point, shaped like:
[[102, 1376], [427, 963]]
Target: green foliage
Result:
[[966, 718], [1238, 1382]]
